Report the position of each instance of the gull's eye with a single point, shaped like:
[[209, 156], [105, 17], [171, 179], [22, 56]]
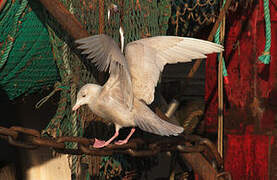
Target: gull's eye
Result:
[[83, 95]]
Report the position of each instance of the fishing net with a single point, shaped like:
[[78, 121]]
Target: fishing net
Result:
[[35, 53], [26, 59], [189, 17], [138, 19], [194, 18]]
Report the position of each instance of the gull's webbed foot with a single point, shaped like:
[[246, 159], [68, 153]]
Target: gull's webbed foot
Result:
[[120, 142], [99, 143]]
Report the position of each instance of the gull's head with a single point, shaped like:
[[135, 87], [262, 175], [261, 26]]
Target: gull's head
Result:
[[87, 94]]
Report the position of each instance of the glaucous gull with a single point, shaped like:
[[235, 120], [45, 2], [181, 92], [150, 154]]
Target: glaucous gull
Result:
[[124, 97]]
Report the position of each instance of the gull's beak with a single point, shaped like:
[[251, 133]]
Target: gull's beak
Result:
[[76, 106], [79, 103]]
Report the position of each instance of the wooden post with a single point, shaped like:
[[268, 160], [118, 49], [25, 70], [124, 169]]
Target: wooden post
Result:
[[200, 165]]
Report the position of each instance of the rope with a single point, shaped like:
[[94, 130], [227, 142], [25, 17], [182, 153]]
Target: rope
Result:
[[75, 166], [54, 126], [11, 37], [25, 51], [222, 13], [217, 40], [57, 87], [222, 72], [75, 159], [265, 57], [137, 25], [220, 107]]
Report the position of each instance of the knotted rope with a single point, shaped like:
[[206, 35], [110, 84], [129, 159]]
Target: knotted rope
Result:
[[11, 37], [265, 57]]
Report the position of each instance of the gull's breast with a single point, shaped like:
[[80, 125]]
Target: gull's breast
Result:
[[114, 111]]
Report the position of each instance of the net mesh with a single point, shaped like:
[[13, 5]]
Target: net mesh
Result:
[[138, 18], [138, 21], [35, 51], [188, 17], [26, 59]]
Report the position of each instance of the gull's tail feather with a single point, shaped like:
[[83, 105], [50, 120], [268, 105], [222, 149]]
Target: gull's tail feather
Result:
[[150, 122]]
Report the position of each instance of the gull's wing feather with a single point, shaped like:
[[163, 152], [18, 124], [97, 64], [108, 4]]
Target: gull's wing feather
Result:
[[105, 53], [147, 57]]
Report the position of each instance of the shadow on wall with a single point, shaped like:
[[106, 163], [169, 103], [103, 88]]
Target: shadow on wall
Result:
[[22, 112]]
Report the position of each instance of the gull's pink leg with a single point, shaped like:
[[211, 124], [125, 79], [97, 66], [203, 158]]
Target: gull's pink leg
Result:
[[100, 144], [120, 142]]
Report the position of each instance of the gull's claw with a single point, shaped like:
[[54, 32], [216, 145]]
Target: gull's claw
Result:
[[120, 142]]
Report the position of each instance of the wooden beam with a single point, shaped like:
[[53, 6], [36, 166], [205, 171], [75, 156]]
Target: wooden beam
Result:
[[67, 20]]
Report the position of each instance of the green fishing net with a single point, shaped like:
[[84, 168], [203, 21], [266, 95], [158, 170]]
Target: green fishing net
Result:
[[26, 59], [139, 19], [35, 53]]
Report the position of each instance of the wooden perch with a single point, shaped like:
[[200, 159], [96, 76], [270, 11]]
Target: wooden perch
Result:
[[67, 20]]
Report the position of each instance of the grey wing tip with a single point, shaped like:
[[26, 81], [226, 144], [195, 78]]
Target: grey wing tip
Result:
[[178, 130], [218, 49], [81, 41], [221, 48], [174, 130], [87, 39]]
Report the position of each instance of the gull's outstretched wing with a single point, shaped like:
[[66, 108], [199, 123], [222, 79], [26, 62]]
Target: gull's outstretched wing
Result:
[[105, 53], [146, 59]]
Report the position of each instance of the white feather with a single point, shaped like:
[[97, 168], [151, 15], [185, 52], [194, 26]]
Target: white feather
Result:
[[147, 58]]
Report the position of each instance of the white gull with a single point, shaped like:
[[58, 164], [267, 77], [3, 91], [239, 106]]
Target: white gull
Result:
[[124, 97]]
